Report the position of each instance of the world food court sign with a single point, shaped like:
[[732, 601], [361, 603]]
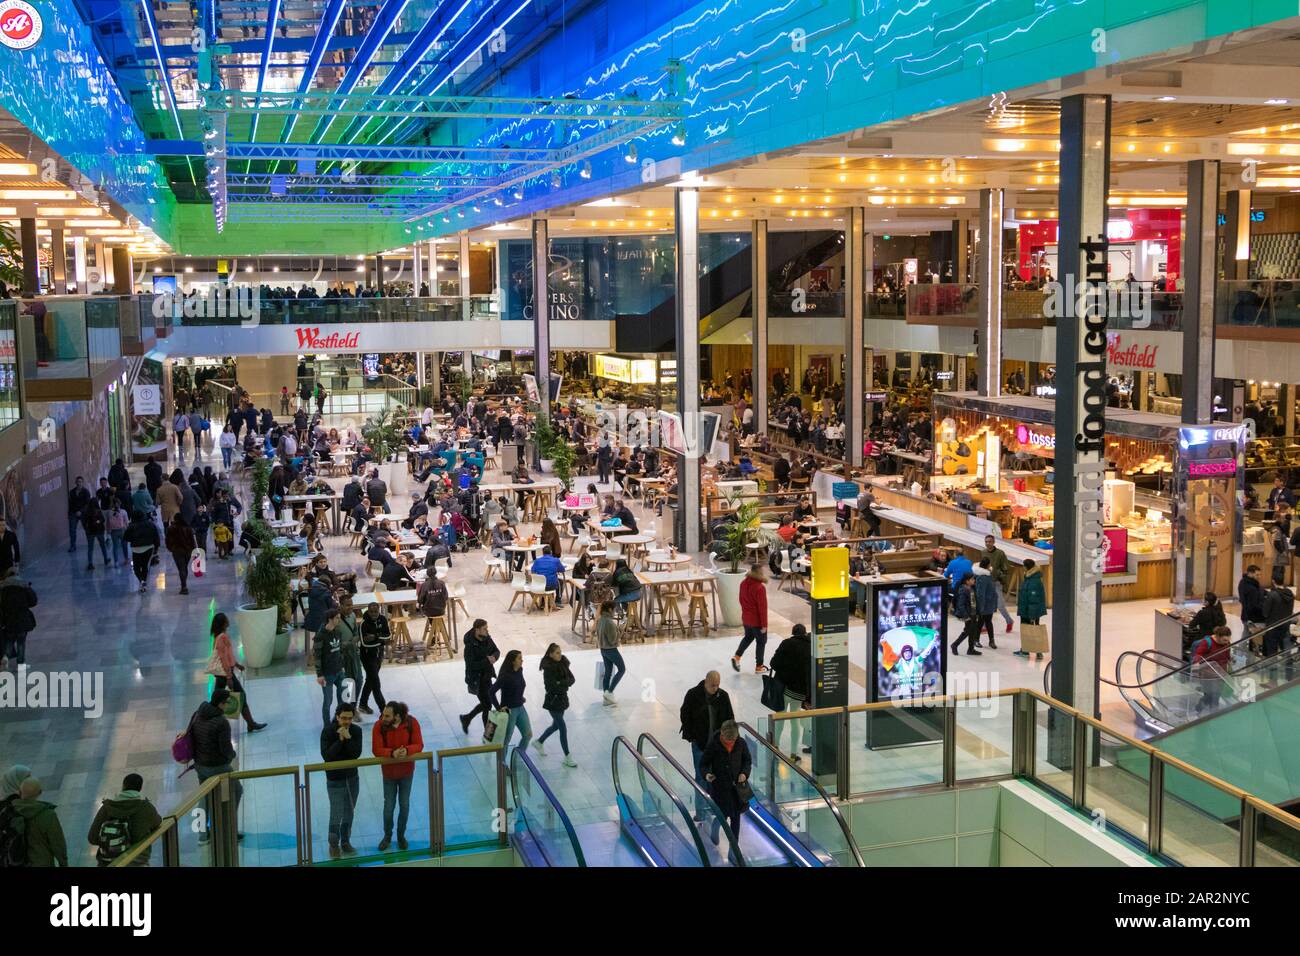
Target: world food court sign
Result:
[[1088, 446]]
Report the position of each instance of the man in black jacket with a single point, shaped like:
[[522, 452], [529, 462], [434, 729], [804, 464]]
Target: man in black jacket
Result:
[[1279, 604], [213, 752], [142, 537], [1250, 592], [341, 741], [480, 655], [397, 574], [352, 495], [17, 598], [10, 552], [705, 708], [78, 498], [153, 477], [792, 666], [377, 492]]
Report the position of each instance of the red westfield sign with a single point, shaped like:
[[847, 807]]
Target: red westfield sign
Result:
[[1131, 357], [310, 338]]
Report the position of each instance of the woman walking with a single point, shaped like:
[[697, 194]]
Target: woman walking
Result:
[[508, 695], [557, 677], [181, 543], [223, 649], [142, 538], [117, 522], [611, 657]]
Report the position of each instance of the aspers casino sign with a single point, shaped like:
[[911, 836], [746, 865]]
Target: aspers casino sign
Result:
[[310, 338], [20, 25]]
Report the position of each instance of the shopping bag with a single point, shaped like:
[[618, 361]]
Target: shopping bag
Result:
[[198, 562], [234, 704], [600, 674], [1034, 639], [214, 667], [773, 693], [496, 727]]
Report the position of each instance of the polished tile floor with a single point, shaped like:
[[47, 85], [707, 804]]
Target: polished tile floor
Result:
[[151, 649]]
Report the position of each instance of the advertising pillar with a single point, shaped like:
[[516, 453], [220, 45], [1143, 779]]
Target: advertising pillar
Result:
[[854, 298], [907, 623], [988, 260], [1079, 546], [686, 223], [1198, 291], [830, 652], [541, 310], [758, 270]]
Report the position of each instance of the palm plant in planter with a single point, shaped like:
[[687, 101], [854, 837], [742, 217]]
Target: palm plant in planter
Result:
[[546, 438], [732, 546], [381, 434], [562, 458], [266, 583]]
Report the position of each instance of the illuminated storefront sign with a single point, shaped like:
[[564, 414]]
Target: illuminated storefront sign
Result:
[[1191, 436], [1132, 357], [1032, 439], [627, 371], [310, 338], [1212, 468]]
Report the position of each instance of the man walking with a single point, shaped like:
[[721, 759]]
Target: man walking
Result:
[[78, 498], [1000, 568], [705, 708]]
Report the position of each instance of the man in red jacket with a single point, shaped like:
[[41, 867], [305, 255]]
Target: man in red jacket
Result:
[[753, 614], [396, 734]]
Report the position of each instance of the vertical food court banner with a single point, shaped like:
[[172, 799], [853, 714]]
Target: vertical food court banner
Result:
[[909, 648], [148, 430]]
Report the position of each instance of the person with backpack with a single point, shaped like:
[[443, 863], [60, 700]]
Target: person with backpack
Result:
[[396, 734], [122, 822], [142, 537], [1211, 657], [963, 608], [986, 601], [213, 753], [33, 831], [13, 848], [93, 524], [792, 666], [17, 598], [557, 678]]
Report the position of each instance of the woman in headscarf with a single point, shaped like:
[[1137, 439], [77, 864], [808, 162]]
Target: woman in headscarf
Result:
[[11, 780]]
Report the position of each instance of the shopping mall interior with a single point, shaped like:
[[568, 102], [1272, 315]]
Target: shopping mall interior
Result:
[[577, 433]]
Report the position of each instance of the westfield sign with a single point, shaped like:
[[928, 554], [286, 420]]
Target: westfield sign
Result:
[[310, 338], [1131, 357]]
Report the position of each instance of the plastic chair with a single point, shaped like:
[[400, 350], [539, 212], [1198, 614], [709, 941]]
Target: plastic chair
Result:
[[519, 585], [495, 566]]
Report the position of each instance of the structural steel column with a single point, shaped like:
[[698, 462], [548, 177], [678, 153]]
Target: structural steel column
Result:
[[854, 298], [758, 271], [466, 307], [1236, 235], [1198, 291], [379, 275], [31, 257], [79, 263], [960, 249], [686, 227], [123, 276], [1080, 460], [541, 312], [988, 278], [417, 270]]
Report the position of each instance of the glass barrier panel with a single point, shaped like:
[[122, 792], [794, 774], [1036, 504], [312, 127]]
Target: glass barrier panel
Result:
[[894, 748], [351, 809], [542, 816], [10, 405], [1118, 784], [1277, 841], [471, 814], [650, 805], [1053, 749], [717, 850], [268, 819], [103, 338], [985, 741], [1194, 821]]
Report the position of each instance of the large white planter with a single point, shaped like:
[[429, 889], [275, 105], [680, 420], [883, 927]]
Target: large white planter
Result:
[[548, 465], [282, 645], [729, 596], [255, 629]]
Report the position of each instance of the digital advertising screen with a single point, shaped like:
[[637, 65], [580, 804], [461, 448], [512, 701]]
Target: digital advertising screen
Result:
[[909, 649], [370, 364]]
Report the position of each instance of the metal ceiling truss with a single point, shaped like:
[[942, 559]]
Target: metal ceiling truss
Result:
[[346, 199], [425, 181]]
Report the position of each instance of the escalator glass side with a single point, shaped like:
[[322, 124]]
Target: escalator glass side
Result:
[[543, 831], [795, 810], [652, 811], [715, 835]]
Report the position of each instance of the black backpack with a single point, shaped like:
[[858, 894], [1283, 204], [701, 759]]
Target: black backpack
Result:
[[13, 836], [113, 839]]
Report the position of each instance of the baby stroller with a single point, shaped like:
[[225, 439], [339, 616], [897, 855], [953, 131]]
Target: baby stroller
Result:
[[462, 531]]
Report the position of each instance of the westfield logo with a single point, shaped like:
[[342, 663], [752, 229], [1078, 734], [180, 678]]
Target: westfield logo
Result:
[[311, 339]]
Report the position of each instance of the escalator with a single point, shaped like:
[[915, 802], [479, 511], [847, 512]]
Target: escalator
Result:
[[1166, 692]]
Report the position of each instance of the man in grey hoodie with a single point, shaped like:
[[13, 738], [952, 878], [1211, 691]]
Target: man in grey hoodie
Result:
[[122, 822]]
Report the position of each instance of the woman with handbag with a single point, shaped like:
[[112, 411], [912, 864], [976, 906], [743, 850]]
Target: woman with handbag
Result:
[[558, 678], [1031, 605], [508, 695], [726, 764], [181, 543], [222, 666]]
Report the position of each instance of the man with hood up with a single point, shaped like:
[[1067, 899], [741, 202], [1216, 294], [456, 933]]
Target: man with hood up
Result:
[[122, 822]]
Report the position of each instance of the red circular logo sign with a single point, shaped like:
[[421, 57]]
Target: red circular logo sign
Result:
[[20, 24]]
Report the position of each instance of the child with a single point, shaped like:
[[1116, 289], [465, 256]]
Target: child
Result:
[[225, 540]]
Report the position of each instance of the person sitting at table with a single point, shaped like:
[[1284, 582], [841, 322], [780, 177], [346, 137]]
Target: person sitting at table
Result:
[[377, 492], [804, 511], [578, 521], [418, 508], [347, 581], [509, 511], [583, 567], [432, 595], [550, 536], [633, 467], [397, 574], [608, 509], [310, 533], [625, 516], [746, 466], [491, 512], [549, 567], [360, 516], [422, 529], [625, 583], [786, 530], [382, 545], [502, 538], [352, 495]]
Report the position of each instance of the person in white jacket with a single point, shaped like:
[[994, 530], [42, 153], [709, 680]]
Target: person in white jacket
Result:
[[227, 445]]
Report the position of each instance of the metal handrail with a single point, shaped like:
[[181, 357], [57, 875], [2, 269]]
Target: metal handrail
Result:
[[644, 768], [515, 758], [503, 832], [808, 778], [700, 792]]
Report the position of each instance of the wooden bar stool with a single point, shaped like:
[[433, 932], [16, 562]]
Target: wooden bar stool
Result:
[[437, 637], [670, 609], [632, 628], [697, 611], [404, 649]]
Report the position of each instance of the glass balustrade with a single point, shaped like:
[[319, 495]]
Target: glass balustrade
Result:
[[540, 820], [650, 805]]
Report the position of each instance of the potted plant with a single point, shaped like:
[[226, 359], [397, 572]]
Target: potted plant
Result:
[[563, 458], [546, 439], [261, 620], [732, 547], [381, 434]]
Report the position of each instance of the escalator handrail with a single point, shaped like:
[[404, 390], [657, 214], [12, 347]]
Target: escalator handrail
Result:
[[700, 792], [644, 767], [808, 778], [518, 755]]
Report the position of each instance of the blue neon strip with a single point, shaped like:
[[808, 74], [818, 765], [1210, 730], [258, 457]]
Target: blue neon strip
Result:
[[777, 832], [162, 64]]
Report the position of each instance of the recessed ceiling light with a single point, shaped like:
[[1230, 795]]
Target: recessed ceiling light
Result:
[[1275, 102], [1165, 99]]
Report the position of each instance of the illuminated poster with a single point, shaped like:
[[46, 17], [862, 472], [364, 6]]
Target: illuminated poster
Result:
[[1116, 557], [908, 640]]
